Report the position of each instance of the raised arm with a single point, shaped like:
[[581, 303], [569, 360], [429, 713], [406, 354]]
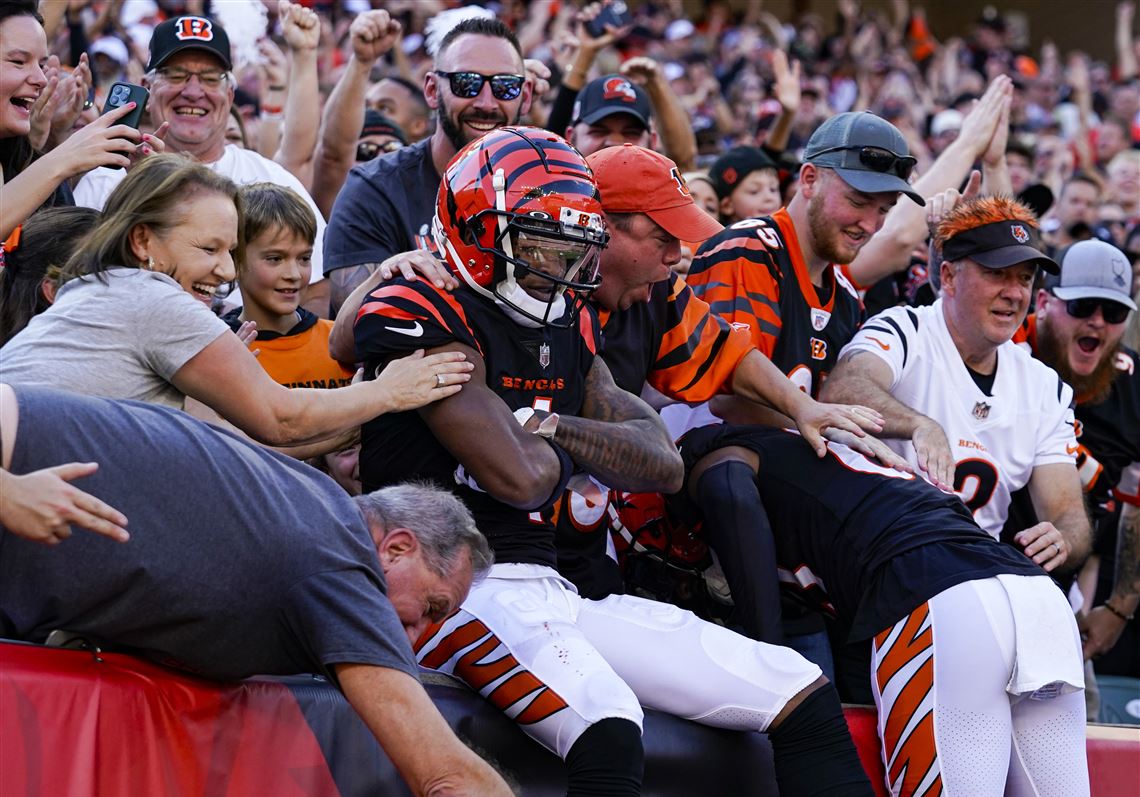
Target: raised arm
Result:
[[1125, 46], [618, 438], [678, 140], [415, 736], [863, 378], [1063, 538], [373, 33], [301, 28]]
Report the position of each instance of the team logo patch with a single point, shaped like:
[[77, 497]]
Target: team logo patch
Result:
[[196, 28], [1119, 267], [682, 186], [819, 319], [544, 355], [818, 349], [981, 410], [1020, 234], [729, 175], [618, 88]]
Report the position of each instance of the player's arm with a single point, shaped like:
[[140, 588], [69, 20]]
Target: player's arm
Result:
[[1064, 535], [1102, 627], [864, 378], [518, 468], [619, 438], [415, 736], [342, 346]]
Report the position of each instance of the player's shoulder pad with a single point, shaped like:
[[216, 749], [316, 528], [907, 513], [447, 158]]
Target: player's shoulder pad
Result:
[[405, 315]]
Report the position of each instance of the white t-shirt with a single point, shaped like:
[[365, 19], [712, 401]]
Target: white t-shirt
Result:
[[122, 334], [243, 166], [997, 439]]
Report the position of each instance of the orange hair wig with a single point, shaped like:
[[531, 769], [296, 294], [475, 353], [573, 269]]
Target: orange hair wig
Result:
[[971, 213]]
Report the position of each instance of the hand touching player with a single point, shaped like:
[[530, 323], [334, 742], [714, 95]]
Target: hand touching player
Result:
[[1044, 544]]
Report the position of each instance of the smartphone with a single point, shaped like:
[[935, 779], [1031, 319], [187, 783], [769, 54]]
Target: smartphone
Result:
[[120, 95], [615, 14], [123, 93]]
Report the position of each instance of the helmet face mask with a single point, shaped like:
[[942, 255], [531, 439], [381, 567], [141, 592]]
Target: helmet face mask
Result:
[[518, 220]]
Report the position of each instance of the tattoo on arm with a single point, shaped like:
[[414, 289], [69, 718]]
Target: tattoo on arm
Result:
[[1127, 582], [620, 439], [343, 281]]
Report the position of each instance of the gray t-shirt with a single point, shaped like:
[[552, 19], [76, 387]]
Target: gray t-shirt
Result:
[[123, 336], [241, 561]]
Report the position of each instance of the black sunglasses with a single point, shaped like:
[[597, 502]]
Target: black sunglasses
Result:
[[876, 159], [469, 84], [1113, 312], [367, 150]]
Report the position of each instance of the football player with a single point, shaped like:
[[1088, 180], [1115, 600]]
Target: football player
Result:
[[976, 670], [519, 222]]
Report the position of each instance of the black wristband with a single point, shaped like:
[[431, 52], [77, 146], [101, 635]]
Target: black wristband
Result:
[[566, 466]]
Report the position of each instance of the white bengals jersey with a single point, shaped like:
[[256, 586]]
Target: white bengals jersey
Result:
[[997, 439]]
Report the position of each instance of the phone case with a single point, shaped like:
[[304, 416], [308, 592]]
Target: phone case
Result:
[[123, 93]]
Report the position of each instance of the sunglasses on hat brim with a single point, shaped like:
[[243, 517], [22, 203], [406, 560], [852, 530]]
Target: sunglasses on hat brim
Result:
[[874, 159], [468, 84]]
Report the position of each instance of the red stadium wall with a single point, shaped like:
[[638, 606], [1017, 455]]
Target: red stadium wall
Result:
[[74, 725]]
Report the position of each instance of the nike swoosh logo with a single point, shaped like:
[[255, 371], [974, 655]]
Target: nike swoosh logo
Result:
[[412, 331], [879, 343]]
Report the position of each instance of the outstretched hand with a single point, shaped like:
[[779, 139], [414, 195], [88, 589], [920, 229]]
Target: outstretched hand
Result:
[[43, 505], [416, 380], [814, 418]]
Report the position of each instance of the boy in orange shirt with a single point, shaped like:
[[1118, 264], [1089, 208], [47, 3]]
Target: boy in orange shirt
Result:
[[279, 229]]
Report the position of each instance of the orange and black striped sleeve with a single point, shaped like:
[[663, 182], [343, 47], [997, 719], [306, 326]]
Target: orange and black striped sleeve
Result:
[[699, 351], [735, 273], [400, 316]]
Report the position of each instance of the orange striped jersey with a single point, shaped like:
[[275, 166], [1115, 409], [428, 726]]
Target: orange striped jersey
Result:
[[752, 275], [300, 357], [675, 343], [544, 368]]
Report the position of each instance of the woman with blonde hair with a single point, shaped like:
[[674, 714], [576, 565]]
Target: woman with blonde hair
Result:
[[133, 321]]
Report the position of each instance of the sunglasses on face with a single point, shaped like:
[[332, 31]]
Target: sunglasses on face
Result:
[[469, 84], [1112, 312], [367, 150], [876, 159]]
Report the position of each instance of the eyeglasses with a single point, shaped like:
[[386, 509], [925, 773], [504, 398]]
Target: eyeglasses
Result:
[[367, 150], [176, 76], [876, 159], [469, 84], [1113, 312]]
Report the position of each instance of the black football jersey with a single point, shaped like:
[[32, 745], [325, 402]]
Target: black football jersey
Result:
[[866, 543], [544, 368]]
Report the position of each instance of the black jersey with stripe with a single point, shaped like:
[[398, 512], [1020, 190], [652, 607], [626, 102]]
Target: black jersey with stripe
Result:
[[544, 368], [866, 543]]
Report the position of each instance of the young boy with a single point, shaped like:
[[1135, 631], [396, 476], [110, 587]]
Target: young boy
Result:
[[748, 184], [279, 230]]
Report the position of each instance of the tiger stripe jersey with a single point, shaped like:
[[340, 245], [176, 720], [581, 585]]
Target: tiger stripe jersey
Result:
[[543, 368], [753, 276], [674, 342]]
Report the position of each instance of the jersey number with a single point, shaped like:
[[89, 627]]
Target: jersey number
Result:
[[980, 477]]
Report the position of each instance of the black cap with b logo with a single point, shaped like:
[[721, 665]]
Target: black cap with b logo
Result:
[[188, 33]]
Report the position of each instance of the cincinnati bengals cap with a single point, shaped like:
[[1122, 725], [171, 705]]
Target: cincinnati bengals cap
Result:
[[1094, 270], [637, 180], [608, 95], [188, 33], [732, 167], [1000, 244], [837, 143]]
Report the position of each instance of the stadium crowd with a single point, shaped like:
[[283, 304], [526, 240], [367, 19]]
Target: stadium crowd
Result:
[[579, 264]]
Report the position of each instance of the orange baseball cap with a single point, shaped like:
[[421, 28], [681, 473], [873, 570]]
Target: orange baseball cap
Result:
[[637, 180]]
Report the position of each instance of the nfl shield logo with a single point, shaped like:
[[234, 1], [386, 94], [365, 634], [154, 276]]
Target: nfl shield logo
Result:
[[1020, 234], [544, 355], [981, 410], [819, 319]]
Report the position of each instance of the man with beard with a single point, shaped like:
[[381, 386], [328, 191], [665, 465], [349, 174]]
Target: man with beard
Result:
[[777, 278], [1080, 320], [478, 84], [965, 404]]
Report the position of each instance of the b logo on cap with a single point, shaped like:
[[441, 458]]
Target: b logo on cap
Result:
[[1020, 234], [682, 186], [197, 28], [617, 88]]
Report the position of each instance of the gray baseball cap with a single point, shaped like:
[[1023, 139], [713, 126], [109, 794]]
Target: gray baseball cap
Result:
[[1094, 270], [867, 151]]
